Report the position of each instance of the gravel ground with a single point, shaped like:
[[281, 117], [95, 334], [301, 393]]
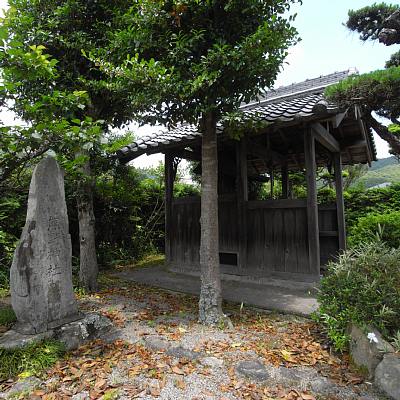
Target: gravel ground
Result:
[[158, 350]]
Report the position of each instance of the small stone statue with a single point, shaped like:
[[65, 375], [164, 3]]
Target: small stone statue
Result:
[[41, 273]]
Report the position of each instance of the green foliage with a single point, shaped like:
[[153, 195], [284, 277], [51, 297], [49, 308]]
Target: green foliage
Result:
[[396, 341], [129, 210], [384, 226], [29, 360], [363, 286], [360, 202], [198, 57], [376, 91], [394, 60], [379, 91], [369, 21], [7, 316]]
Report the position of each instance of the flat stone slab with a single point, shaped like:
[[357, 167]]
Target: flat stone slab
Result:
[[387, 376], [212, 362], [286, 297], [181, 352], [156, 343], [73, 335], [253, 369]]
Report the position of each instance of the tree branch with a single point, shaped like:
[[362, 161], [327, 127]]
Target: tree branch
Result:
[[384, 133]]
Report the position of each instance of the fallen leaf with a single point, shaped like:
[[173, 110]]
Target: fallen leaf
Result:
[[180, 384], [177, 370]]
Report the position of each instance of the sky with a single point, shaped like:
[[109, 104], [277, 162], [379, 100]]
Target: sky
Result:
[[326, 47]]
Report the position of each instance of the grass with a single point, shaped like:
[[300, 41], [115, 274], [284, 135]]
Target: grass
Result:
[[150, 260], [7, 316], [29, 360]]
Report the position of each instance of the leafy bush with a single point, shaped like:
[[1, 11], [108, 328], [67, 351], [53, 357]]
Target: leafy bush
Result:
[[360, 202], [363, 286], [29, 360], [385, 226]]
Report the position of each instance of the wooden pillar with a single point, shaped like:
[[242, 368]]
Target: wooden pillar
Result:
[[169, 189], [312, 204], [242, 198], [337, 160], [285, 181]]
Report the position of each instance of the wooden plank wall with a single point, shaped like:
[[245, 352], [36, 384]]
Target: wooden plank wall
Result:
[[277, 238]]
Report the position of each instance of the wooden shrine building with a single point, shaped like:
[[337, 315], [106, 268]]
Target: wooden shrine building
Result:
[[285, 238]]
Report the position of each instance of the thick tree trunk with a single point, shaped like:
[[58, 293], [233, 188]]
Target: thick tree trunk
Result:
[[88, 259], [392, 139], [210, 307]]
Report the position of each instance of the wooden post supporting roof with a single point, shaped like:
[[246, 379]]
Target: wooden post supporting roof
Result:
[[169, 190], [242, 198], [337, 159], [312, 204]]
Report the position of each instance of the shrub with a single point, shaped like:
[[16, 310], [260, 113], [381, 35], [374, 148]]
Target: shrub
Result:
[[385, 226], [359, 202], [363, 286]]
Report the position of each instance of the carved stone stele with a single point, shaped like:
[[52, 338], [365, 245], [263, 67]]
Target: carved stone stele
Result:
[[41, 273]]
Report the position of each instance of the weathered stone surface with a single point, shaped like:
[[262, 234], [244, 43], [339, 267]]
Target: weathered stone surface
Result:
[[77, 333], [73, 335], [212, 362], [367, 352], [41, 273], [181, 352], [387, 376], [252, 369], [156, 343], [24, 386], [14, 340], [81, 396]]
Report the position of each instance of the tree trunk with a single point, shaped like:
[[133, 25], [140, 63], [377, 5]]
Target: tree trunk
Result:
[[88, 270], [392, 139], [210, 304]]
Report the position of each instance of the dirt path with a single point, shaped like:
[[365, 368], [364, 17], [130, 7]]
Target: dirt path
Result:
[[157, 350]]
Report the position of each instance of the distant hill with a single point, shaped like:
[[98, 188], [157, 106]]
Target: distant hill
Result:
[[382, 171]]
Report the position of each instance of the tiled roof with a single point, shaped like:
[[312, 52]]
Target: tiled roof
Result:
[[299, 101]]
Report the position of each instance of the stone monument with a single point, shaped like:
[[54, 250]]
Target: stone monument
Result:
[[41, 273]]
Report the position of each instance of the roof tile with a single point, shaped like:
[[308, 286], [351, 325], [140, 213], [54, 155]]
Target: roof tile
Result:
[[284, 104]]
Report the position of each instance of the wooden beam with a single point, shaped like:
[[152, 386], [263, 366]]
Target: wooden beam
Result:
[[365, 137], [325, 138], [312, 204], [242, 199], [169, 195], [337, 160], [259, 150], [187, 155], [337, 119]]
